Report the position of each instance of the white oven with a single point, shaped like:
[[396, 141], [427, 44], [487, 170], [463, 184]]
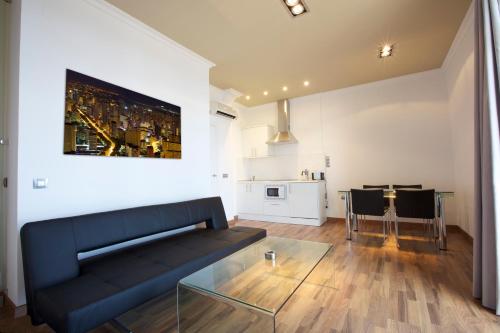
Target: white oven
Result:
[[275, 192]]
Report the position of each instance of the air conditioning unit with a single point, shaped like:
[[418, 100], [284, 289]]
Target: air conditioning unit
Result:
[[223, 110]]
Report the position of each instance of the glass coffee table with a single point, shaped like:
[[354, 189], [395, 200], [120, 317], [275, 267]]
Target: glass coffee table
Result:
[[245, 291]]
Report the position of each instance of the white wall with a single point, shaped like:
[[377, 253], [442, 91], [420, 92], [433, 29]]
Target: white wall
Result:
[[458, 70], [387, 132], [94, 38]]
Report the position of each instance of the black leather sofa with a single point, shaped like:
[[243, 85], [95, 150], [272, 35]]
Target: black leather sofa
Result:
[[72, 295]]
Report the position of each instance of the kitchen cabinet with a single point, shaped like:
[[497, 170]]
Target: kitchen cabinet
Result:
[[303, 203], [276, 208], [254, 141], [250, 197], [304, 200]]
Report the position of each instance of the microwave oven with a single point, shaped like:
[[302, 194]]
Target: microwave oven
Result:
[[275, 192]]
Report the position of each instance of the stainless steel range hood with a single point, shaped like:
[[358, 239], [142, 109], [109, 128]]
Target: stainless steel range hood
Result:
[[284, 136]]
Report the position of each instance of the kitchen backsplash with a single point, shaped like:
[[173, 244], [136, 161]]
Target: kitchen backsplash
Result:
[[282, 166]]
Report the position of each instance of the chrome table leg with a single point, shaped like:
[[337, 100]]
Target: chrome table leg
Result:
[[348, 230], [396, 228], [443, 243]]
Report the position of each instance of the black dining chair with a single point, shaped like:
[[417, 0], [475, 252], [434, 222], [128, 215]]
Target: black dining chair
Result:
[[370, 202], [367, 187], [416, 204], [416, 186], [387, 201], [411, 187]]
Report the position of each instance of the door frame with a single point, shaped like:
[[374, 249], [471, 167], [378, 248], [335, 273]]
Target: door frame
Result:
[[4, 79]]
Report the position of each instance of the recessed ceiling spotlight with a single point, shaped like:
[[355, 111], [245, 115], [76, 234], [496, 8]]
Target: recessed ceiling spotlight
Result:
[[266, 93], [296, 7], [285, 88], [385, 51], [247, 97], [306, 83]]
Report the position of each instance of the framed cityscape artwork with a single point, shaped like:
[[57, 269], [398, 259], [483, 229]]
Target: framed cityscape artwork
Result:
[[103, 119]]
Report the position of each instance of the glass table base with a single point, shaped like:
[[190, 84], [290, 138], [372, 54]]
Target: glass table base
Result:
[[245, 293], [202, 312]]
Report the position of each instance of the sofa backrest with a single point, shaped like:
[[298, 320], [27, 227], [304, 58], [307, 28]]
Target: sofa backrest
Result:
[[50, 248]]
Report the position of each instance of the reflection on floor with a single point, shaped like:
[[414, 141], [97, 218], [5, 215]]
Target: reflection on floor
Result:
[[378, 288]]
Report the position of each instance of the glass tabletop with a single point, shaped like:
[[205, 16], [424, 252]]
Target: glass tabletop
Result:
[[247, 277]]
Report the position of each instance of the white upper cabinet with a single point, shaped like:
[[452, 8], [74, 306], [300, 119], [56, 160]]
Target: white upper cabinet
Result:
[[255, 139]]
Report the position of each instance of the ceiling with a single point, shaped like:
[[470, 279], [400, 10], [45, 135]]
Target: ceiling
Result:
[[257, 46]]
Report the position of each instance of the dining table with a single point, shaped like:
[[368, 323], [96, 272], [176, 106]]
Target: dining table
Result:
[[440, 197]]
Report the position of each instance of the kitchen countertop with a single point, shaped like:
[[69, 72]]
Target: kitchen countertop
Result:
[[280, 181]]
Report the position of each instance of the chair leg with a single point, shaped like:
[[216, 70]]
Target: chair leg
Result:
[[434, 224], [431, 232], [427, 234], [391, 215], [397, 231], [384, 227], [388, 222]]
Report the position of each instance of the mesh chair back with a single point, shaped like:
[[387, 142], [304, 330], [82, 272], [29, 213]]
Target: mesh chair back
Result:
[[417, 186], [368, 202], [419, 204]]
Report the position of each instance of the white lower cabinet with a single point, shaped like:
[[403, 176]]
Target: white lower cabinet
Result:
[[304, 202], [251, 198], [276, 208]]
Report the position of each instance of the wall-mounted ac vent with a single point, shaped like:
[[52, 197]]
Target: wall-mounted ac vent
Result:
[[223, 110]]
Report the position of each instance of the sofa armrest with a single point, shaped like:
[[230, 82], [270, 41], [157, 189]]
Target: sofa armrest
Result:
[[210, 210], [49, 257]]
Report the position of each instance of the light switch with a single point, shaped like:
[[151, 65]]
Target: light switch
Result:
[[39, 183]]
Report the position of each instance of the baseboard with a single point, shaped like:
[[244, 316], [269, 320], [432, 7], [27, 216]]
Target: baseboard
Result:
[[282, 219], [12, 309], [459, 230]]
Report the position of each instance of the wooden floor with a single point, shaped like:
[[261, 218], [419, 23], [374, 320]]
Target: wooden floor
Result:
[[378, 288]]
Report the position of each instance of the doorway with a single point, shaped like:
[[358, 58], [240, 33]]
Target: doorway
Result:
[[222, 158]]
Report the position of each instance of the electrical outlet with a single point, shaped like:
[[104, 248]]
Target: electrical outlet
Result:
[[327, 161], [40, 183]]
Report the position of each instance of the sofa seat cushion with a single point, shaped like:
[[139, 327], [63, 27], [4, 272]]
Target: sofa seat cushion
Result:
[[112, 284]]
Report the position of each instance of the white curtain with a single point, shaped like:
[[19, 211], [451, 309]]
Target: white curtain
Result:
[[487, 155]]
